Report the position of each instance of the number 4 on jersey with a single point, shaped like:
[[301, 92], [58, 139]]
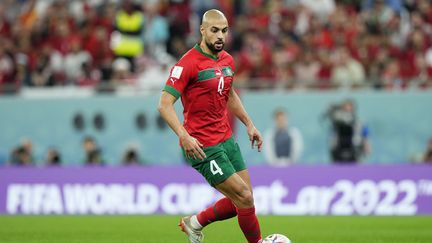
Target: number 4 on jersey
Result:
[[214, 168], [221, 85]]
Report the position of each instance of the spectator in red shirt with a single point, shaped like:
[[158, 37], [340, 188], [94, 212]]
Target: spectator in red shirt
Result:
[[325, 72], [5, 28]]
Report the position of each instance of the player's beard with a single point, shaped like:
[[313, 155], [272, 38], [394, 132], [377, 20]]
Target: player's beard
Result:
[[212, 47]]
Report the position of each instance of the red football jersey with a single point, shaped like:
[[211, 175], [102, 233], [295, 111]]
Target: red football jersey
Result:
[[203, 82]]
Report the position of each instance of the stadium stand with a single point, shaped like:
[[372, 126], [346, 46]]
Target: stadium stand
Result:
[[293, 44], [378, 52]]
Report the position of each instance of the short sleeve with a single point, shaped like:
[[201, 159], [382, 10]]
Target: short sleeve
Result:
[[233, 67], [180, 76]]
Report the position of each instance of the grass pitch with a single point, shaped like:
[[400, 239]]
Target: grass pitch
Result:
[[164, 229]]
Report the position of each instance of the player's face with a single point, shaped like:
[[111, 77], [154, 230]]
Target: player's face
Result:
[[215, 35]]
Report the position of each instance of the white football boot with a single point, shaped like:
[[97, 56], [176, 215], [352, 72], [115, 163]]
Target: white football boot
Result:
[[195, 236]]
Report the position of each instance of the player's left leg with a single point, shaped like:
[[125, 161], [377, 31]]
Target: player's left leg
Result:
[[244, 174], [238, 191], [247, 218]]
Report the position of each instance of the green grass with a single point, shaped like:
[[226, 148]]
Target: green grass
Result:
[[160, 229]]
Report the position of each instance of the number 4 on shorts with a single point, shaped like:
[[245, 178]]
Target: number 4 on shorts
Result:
[[214, 168]]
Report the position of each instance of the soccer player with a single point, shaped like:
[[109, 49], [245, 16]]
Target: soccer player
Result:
[[203, 78]]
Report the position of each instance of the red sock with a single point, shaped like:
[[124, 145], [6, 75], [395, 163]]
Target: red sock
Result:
[[221, 210], [249, 224]]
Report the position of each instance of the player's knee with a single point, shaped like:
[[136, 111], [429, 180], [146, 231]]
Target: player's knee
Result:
[[245, 198]]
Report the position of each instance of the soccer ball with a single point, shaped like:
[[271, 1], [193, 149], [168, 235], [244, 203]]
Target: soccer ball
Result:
[[276, 238]]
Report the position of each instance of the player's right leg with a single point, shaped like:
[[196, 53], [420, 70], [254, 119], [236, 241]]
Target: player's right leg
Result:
[[194, 235], [237, 189], [221, 210], [225, 170], [228, 162], [215, 169]]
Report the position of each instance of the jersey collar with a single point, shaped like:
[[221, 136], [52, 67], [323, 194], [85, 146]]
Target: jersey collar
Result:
[[198, 48]]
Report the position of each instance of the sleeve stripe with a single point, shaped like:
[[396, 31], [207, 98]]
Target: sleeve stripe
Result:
[[172, 91]]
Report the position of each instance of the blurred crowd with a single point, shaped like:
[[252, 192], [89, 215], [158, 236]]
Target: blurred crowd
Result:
[[92, 155], [277, 44]]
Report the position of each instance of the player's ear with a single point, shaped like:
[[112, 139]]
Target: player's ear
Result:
[[202, 29]]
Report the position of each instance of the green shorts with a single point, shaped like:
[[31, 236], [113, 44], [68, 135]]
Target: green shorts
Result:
[[223, 160]]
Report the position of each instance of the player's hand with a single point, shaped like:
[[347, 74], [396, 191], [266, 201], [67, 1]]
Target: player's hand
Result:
[[192, 147], [255, 137]]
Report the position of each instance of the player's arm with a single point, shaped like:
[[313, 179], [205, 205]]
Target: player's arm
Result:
[[191, 145], [236, 107]]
